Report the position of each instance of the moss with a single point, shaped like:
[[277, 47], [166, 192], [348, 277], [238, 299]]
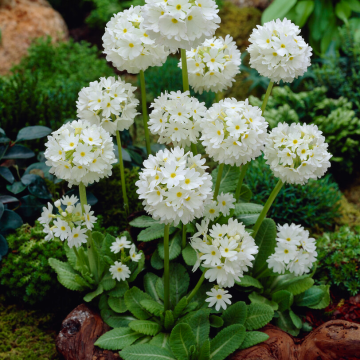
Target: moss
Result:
[[350, 214]]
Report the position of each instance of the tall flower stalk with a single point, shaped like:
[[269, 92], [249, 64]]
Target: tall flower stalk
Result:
[[122, 173]]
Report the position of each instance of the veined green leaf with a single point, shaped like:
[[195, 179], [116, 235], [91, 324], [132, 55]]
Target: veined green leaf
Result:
[[255, 298], [252, 338], [115, 320], [156, 262], [108, 282], [285, 323], [258, 315], [277, 9], [161, 340], [169, 320], [181, 338], [117, 304], [179, 307], [284, 299], [235, 314], [117, 339], [325, 300], [310, 297], [174, 247], [150, 286], [146, 351], [146, 327], [143, 221], [247, 281], [229, 178], [189, 255], [152, 307], [119, 289], [133, 298], [200, 326], [153, 232], [91, 295]]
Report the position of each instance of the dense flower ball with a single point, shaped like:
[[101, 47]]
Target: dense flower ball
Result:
[[278, 52], [127, 44], [233, 132], [213, 65], [222, 205], [297, 153], [176, 118], [80, 152], [174, 186], [109, 102], [226, 251], [180, 23], [295, 250], [70, 224]]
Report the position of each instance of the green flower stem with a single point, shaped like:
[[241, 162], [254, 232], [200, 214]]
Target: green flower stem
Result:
[[197, 287], [90, 244], [266, 207], [241, 179], [268, 92], [166, 269], [217, 97], [183, 245], [122, 173], [218, 180], [144, 111]]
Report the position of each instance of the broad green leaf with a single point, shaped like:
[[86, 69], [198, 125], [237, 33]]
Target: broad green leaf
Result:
[[247, 281], [303, 10], [146, 327], [285, 323], [226, 342], [120, 289], [144, 340], [152, 307], [189, 255], [247, 208], [354, 5], [216, 321], [205, 351], [325, 300], [179, 283], [169, 320], [30, 205], [3, 246], [245, 194], [108, 282], [33, 132], [143, 221], [156, 261], [153, 232], [284, 299], [258, 315], [200, 326], [265, 239], [295, 319], [235, 314], [179, 307], [160, 288], [150, 286], [115, 320], [10, 220], [91, 295], [117, 339], [255, 298], [98, 238], [310, 297], [295, 284], [174, 248], [139, 267], [103, 302], [252, 338], [277, 10], [343, 11], [161, 340], [18, 152], [105, 248], [117, 304], [133, 298], [146, 351], [229, 178], [181, 338], [7, 174]]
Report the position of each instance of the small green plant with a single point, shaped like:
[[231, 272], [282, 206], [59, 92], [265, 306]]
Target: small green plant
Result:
[[338, 259]]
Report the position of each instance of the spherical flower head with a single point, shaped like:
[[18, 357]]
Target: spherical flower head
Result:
[[174, 186], [278, 52], [213, 65], [233, 132], [120, 271], [127, 43], [297, 153], [295, 251], [180, 23], [176, 118], [218, 297], [80, 153], [226, 251], [109, 103]]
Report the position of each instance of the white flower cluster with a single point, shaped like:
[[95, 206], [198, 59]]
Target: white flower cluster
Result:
[[176, 118], [180, 23], [174, 186], [295, 250], [297, 153], [213, 65], [108, 102], [278, 52], [70, 224], [226, 251], [218, 297], [119, 270], [223, 204], [127, 44], [233, 132], [80, 152]]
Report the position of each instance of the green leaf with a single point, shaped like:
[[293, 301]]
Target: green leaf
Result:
[[10, 220], [160, 288], [143, 221], [117, 304], [229, 178], [285, 323], [295, 319], [152, 307], [277, 9], [146, 351], [105, 248], [18, 152], [169, 320], [325, 300], [354, 5], [133, 298], [295, 284], [108, 282], [150, 286], [310, 297], [153, 232], [33, 132], [16, 188], [3, 137], [343, 11], [265, 239], [247, 281], [103, 302], [161, 340], [139, 267], [255, 298], [156, 262], [179, 283], [179, 307], [189, 255], [252, 338], [67, 276], [91, 295], [247, 213], [235, 314], [98, 238], [226, 342], [258, 315], [7, 174], [174, 248], [120, 289], [146, 327], [245, 194], [205, 351], [181, 338], [200, 326], [284, 299], [303, 10], [216, 321], [3, 246], [117, 339], [115, 320]]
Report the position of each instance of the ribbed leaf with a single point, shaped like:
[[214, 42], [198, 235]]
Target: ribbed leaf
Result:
[[117, 304], [181, 338], [146, 351], [179, 283], [174, 248], [235, 314], [295, 284], [216, 321], [156, 262], [143, 221], [229, 178], [153, 232], [258, 315], [255, 298], [91, 295], [247, 208], [133, 298], [117, 339], [248, 280], [325, 300], [105, 247], [161, 340], [189, 255], [252, 338], [300, 286], [284, 299], [205, 351], [295, 319], [285, 323], [152, 307], [115, 320], [160, 288], [146, 327], [200, 326], [150, 286], [120, 289], [310, 297], [169, 320], [108, 282], [179, 307]]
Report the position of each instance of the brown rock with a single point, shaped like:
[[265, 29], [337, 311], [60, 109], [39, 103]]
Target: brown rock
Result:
[[21, 21]]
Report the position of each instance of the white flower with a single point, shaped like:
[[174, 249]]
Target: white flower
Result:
[[174, 186], [180, 23], [77, 237], [297, 153], [213, 65], [295, 250], [80, 164], [218, 297], [278, 52], [176, 118], [69, 200], [133, 255], [62, 229], [46, 215], [109, 103], [119, 244], [89, 217], [233, 132], [127, 44], [226, 252], [225, 203], [119, 271]]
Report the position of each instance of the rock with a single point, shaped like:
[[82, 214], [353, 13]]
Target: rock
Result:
[[21, 21]]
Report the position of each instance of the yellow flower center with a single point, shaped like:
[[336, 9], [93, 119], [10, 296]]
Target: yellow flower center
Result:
[[286, 251], [131, 45], [82, 154], [63, 228], [282, 46], [218, 296], [174, 21], [212, 211], [268, 41], [219, 132], [179, 194], [173, 175], [178, 7], [224, 203], [213, 253], [237, 127], [76, 235], [274, 53], [187, 181], [190, 18]]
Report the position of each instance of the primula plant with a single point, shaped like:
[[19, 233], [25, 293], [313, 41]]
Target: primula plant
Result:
[[204, 239]]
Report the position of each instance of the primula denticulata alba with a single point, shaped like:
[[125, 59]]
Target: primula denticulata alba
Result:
[[109, 103]]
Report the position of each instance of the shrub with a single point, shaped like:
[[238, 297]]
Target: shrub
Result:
[[314, 205], [338, 259]]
